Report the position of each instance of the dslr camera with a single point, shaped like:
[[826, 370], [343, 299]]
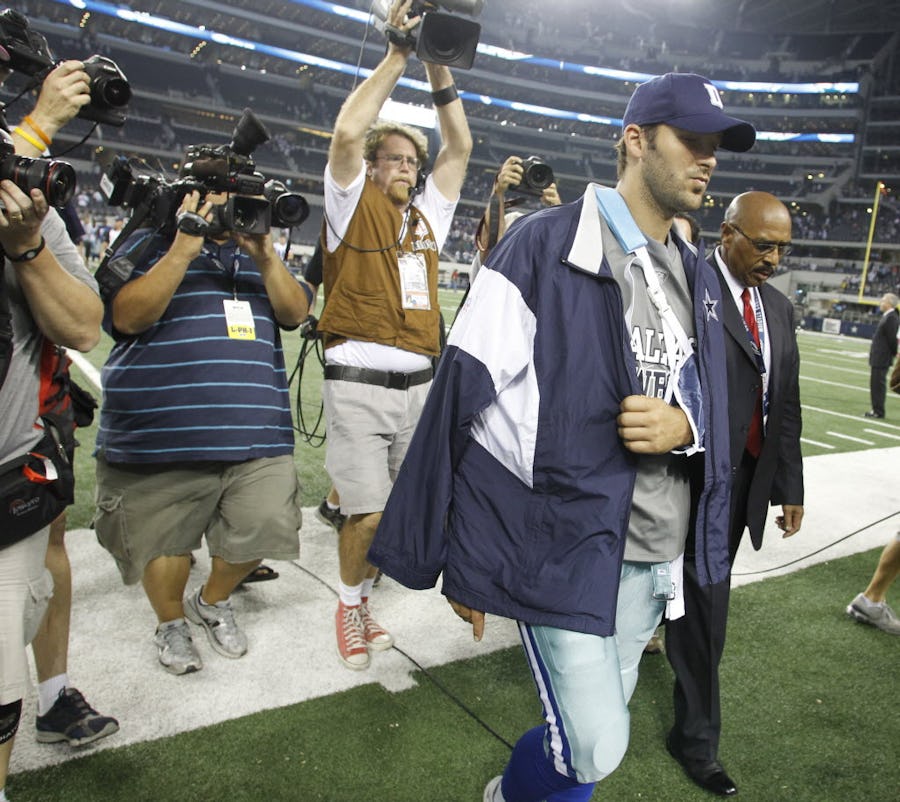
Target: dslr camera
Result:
[[29, 53], [55, 178], [537, 175], [254, 205]]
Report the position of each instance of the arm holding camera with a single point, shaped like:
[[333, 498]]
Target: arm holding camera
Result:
[[550, 196], [66, 310], [361, 108], [290, 301], [141, 303], [64, 92], [510, 175], [456, 140]]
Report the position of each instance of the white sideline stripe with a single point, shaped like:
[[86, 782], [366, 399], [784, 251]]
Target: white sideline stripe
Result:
[[858, 418], [882, 434], [832, 366], [815, 443], [854, 439], [854, 355], [835, 384], [90, 372]]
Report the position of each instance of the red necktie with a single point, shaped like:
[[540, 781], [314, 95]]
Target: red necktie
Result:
[[754, 435]]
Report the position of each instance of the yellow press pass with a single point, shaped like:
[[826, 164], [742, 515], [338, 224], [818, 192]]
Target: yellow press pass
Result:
[[239, 320]]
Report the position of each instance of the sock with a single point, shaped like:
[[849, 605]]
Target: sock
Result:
[[169, 624], [367, 585], [332, 506], [48, 693], [351, 595], [530, 775]]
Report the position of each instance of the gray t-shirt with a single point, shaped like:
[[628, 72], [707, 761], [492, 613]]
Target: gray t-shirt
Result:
[[660, 509], [19, 393]]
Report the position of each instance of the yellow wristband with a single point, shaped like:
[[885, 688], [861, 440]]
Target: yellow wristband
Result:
[[28, 138], [38, 130]]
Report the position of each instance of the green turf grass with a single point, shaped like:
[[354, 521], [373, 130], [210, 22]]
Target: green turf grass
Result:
[[808, 703]]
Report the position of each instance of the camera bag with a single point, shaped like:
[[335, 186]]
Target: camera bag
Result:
[[37, 486]]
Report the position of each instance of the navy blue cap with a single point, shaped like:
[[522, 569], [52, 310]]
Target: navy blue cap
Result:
[[691, 102]]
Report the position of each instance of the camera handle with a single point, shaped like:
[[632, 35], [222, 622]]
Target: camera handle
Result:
[[111, 280], [398, 37]]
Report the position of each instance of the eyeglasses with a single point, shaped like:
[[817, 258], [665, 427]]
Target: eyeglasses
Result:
[[764, 246], [398, 158]]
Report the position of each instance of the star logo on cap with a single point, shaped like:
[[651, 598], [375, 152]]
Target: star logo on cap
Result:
[[710, 304]]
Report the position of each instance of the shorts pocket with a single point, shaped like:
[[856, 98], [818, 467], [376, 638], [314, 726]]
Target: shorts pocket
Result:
[[111, 526], [39, 593]]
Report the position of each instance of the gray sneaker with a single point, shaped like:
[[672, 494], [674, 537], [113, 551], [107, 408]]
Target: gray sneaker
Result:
[[327, 515], [176, 648], [877, 614], [218, 621]]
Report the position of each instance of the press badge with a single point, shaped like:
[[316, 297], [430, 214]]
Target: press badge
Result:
[[414, 281], [239, 320]]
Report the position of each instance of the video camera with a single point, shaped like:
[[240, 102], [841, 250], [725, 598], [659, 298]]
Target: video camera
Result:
[[439, 38], [537, 175], [209, 169], [27, 52], [55, 178]]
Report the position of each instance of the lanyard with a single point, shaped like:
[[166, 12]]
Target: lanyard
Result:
[[684, 383], [632, 240], [215, 257]]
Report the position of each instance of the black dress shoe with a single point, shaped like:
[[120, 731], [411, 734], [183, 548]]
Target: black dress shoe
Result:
[[708, 774], [872, 414]]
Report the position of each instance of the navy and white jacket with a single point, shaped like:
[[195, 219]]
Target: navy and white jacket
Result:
[[516, 485]]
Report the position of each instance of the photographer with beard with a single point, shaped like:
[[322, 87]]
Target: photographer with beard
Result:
[[195, 431], [381, 321]]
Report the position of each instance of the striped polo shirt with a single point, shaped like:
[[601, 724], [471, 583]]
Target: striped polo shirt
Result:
[[183, 390]]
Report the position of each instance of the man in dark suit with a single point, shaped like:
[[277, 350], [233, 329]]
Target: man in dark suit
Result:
[[882, 353], [764, 398]]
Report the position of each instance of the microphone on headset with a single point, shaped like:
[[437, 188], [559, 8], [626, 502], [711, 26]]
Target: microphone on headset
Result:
[[420, 185]]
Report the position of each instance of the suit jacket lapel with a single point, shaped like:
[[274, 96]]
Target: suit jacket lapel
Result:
[[732, 319]]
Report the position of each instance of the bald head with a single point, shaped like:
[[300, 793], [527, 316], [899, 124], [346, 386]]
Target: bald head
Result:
[[757, 207], [756, 233]]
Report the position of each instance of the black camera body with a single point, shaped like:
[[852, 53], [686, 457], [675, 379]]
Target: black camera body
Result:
[[55, 178], [537, 175], [254, 205], [440, 38], [30, 54]]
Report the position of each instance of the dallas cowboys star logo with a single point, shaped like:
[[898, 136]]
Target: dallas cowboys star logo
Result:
[[710, 305]]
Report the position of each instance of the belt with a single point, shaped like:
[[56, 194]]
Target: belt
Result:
[[381, 378]]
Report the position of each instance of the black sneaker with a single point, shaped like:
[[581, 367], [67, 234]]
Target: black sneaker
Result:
[[73, 720], [329, 516]]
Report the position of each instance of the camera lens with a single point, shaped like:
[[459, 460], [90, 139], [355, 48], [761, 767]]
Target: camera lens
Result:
[[109, 86], [289, 209], [538, 175], [113, 92], [54, 178]]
